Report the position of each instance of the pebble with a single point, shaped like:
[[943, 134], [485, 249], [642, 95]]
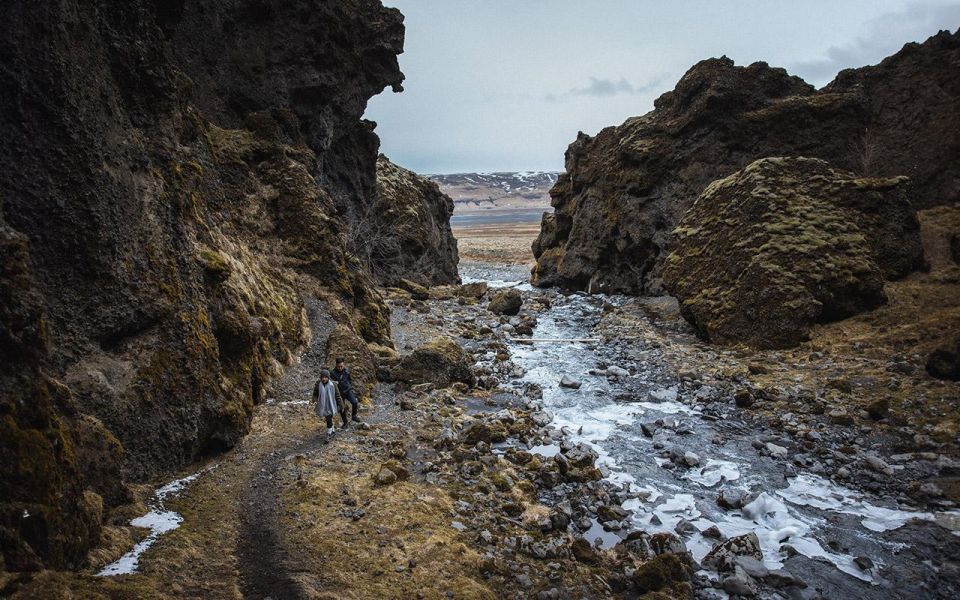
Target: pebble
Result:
[[776, 451]]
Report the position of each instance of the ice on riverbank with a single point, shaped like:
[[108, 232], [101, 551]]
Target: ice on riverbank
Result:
[[159, 521]]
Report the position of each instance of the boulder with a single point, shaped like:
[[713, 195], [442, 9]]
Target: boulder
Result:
[[625, 189], [506, 302], [483, 431], [441, 361], [723, 556], [786, 243], [663, 571], [405, 233], [475, 290], [944, 362], [416, 291]]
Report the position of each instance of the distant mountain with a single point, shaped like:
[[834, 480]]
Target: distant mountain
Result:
[[523, 189]]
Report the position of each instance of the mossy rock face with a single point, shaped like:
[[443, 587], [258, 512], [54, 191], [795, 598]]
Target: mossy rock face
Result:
[[786, 243], [441, 361], [405, 233], [626, 188], [177, 226], [45, 514]]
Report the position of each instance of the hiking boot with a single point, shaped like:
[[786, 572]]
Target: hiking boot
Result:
[[356, 418], [330, 430]]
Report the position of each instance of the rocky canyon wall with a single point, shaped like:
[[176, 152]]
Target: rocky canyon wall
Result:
[[625, 189], [179, 182]]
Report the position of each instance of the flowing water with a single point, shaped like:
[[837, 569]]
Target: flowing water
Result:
[[805, 513]]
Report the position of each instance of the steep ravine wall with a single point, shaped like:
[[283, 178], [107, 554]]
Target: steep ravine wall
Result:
[[625, 189], [178, 180]]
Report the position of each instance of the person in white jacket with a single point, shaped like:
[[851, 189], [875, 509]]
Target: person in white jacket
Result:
[[326, 394]]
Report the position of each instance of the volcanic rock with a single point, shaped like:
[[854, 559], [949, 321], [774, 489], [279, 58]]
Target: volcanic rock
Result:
[[506, 302], [180, 181], [625, 190], [723, 556], [944, 362], [405, 232], [440, 361], [786, 243]]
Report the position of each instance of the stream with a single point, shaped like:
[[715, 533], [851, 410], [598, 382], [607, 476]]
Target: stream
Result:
[[633, 420]]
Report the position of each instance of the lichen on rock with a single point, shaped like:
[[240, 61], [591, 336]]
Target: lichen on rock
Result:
[[786, 243]]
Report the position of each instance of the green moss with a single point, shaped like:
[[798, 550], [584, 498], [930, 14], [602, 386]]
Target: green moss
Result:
[[661, 572], [215, 264]]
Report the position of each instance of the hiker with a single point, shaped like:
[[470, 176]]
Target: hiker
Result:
[[329, 401], [342, 376]]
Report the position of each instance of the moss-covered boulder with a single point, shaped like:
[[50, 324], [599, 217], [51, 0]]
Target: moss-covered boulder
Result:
[[405, 233], [506, 302], [440, 361], [627, 187], [786, 243], [665, 572]]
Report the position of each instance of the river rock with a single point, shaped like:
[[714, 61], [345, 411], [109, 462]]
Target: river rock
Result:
[[746, 267], [878, 464], [879, 409], [483, 431], [776, 451], [660, 572], [723, 555], [581, 455], [691, 459], [740, 584], [506, 302], [416, 291], [475, 290], [752, 567], [569, 382], [615, 371]]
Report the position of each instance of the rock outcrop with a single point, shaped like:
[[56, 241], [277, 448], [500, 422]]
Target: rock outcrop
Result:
[[405, 233], [625, 189], [440, 361], [178, 180], [944, 362], [786, 243]]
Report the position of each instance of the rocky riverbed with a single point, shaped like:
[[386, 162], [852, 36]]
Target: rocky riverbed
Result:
[[617, 456], [833, 499]]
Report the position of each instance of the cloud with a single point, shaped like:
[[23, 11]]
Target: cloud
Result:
[[599, 88], [884, 36]]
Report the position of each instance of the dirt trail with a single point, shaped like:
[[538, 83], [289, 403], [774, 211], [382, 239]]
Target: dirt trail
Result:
[[260, 550]]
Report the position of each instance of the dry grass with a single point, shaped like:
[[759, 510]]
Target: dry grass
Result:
[[497, 243], [405, 524]]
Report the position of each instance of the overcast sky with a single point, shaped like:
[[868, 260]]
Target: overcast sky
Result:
[[504, 85]]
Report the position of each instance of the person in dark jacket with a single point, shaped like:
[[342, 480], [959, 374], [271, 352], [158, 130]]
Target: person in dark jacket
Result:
[[341, 375]]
